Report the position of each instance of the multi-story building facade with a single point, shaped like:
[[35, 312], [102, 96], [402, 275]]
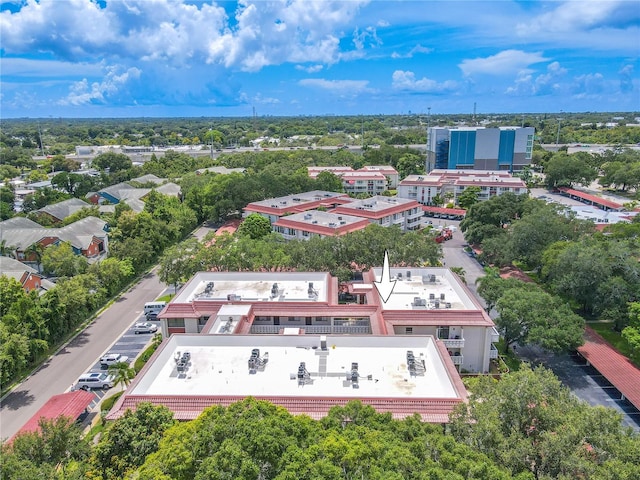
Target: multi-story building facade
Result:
[[450, 184], [478, 148], [386, 211], [371, 179], [303, 341], [274, 208], [425, 301], [316, 223]]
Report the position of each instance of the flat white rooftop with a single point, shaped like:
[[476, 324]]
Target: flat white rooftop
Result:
[[426, 289], [255, 287], [219, 365]]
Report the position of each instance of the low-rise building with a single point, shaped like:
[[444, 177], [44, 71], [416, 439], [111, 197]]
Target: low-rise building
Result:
[[88, 237], [306, 374], [58, 212], [386, 211], [371, 179], [274, 208], [425, 301], [452, 183], [29, 278], [306, 225]]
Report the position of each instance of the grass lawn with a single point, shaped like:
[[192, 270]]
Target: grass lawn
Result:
[[606, 331]]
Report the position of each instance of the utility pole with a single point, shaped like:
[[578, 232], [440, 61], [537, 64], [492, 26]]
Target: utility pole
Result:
[[211, 140], [428, 163], [558, 136]]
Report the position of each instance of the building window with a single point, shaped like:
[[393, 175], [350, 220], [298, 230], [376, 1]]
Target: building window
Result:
[[408, 330], [175, 322], [305, 233]]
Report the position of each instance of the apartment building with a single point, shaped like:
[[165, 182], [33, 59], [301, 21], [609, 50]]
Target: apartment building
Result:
[[450, 184], [386, 211]]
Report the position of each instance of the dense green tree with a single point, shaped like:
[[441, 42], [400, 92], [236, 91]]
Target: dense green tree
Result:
[[532, 316], [113, 162], [489, 218], [112, 273], [42, 198], [564, 170], [631, 333], [328, 182], [492, 287], [61, 261], [530, 423], [127, 442], [180, 262], [541, 225], [56, 450], [255, 226], [67, 181], [469, 197]]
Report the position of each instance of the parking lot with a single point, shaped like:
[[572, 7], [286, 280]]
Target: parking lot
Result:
[[130, 344], [584, 381]]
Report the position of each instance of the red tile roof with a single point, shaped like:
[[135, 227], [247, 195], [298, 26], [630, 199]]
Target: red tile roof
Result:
[[614, 366], [187, 407], [448, 211], [70, 404], [591, 198]]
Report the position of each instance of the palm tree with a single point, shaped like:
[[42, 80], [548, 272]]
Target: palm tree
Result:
[[122, 373], [459, 271], [36, 250], [5, 249]]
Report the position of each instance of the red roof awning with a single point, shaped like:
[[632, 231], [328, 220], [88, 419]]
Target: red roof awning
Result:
[[614, 366], [591, 198], [70, 404], [446, 211]]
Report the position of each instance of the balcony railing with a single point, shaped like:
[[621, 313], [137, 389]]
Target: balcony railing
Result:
[[317, 329], [495, 336], [457, 359], [493, 353], [453, 342]]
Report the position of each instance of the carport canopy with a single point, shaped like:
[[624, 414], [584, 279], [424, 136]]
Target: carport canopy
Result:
[[70, 404]]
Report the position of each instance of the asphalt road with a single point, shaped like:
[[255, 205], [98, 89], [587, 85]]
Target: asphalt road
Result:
[[77, 357], [455, 256]]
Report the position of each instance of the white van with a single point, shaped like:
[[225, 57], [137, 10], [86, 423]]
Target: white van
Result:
[[153, 307]]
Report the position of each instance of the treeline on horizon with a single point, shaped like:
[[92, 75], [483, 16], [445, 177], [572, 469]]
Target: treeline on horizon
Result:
[[53, 136]]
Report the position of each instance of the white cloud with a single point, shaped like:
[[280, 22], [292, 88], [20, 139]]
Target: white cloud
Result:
[[177, 32], [589, 85], [310, 68], [417, 49], [505, 62], [342, 87], [543, 84], [571, 15], [368, 36], [626, 78], [406, 80], [82, 93]]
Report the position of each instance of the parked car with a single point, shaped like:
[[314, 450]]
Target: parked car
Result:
[[145, 327], [152, 316], [93, 380], [112, 359]]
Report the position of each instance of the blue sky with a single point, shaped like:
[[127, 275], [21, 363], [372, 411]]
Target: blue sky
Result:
[[135, 58]]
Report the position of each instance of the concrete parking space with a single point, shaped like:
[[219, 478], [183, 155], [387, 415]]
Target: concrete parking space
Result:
[[584, 381]]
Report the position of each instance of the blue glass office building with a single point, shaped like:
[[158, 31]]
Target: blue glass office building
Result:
[[505, 148]]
